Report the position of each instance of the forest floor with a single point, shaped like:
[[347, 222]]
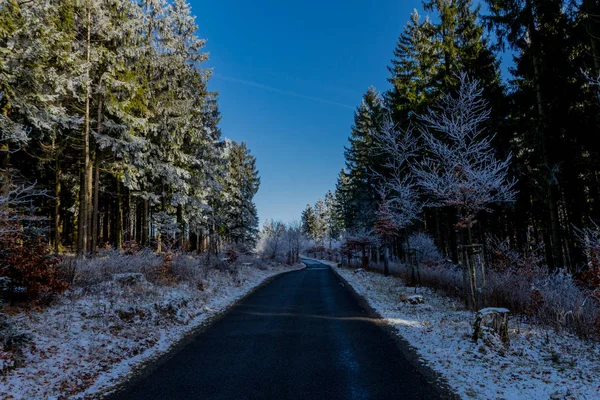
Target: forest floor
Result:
[[539, 363], [89, 340]]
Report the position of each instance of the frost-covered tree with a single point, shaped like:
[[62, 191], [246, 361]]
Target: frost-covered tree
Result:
[[15, 194], [331, 218], [461, 170], [295, 241], [272, 239], [241, 184], [398, 186], [121, 122], [401, 203]]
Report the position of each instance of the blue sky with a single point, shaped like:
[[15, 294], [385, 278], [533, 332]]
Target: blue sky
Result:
[[290, 75]]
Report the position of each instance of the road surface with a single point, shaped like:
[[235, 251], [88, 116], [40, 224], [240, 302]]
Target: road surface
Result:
[[302, 336]]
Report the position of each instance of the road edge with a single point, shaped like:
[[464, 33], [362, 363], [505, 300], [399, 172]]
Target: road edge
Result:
[[156, 361], [409, 352]]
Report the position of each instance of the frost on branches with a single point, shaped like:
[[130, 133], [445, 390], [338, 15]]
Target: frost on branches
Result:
[[461, 170], [398, 190], [15, 196]]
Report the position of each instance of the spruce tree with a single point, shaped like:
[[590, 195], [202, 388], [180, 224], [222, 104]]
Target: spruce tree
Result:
[[362, 163]]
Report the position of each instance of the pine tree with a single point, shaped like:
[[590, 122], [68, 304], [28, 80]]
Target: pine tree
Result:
[[361, 162], [462, 47], [344, 213], [309, 222], [552, 104], [413, 69], [115, 95], [242, 182], [332, 218]]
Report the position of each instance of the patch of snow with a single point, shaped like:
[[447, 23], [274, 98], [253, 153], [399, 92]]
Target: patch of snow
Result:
[[413, 299], [91, 339], [493, 310], [540, 364]]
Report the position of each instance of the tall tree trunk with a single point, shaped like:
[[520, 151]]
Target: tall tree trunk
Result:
[[556, 244], [90, 196], [125, 198], [132, 213], [145, 210], [119, 216], [82, 230], [4, 158], [95, 206], [58, 228], [386, 258], [181, 225], [106, 235], [139, 209]]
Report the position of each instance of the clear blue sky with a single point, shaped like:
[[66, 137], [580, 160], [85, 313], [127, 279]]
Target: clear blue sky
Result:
[[290, 75]]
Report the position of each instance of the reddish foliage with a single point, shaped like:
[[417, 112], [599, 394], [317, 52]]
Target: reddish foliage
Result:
[[32, 270], [537, 301], [591, 277], [131, 248], [357, 244], [385, 224]]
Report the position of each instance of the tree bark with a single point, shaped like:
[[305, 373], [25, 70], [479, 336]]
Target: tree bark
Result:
[[556, 244], [181, 224], [58, 229], [119, 216], [386, 259], [82, 230], [145, 210]]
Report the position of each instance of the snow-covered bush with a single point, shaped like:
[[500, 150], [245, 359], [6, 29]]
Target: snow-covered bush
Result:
[[444, 277], [552, 299], [90, 271], [13, 340], [427, 251], [12, 337], [189, 268], [590, 276], [500, 256], [563, 304]]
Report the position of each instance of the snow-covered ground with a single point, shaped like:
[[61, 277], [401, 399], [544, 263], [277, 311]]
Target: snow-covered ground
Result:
[[90, 340], [539, 364]]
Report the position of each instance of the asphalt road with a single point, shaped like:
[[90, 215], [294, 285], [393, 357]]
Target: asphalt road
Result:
[[302, 336]]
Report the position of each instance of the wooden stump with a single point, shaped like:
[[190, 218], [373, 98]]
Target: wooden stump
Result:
[[492, 318]]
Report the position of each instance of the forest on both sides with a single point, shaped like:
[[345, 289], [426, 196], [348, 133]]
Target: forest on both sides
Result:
[[456, 166]]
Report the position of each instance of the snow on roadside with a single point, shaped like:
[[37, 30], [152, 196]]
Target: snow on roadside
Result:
[[539, 364], [88, 342]]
